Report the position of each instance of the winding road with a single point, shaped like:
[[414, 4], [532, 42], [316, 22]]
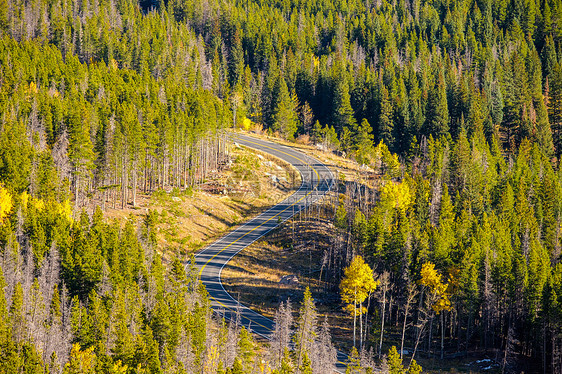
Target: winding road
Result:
[[316, 181]]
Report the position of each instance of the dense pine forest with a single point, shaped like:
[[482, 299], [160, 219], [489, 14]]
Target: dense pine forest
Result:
[[456, 105]]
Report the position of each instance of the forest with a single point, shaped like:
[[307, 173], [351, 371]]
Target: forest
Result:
[[457, 106]]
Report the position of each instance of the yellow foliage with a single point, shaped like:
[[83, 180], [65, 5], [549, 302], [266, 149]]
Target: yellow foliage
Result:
[[211, 360], [359, 309], [247, 123], [81, 362], [38, 204], [119, 368], [454, 277], [396, 195], [33, 87], [357, 284], [65, 209], [386, 160], [433, 280], [5, 203], [25, 199]]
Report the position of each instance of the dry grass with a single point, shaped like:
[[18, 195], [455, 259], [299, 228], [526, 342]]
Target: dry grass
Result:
[[253, 275], [188, 220]]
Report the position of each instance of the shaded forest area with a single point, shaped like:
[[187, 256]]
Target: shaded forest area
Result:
[[100, 100]]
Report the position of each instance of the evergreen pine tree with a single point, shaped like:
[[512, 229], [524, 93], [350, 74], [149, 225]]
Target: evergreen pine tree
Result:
[[306, 328], [285, 115], [437, 122], [386, 123], [344, 116]]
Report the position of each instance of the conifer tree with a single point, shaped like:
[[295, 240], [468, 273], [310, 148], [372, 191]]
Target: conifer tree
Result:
[[364, 142], [4, 325], [437, 122], [306, 328], [17, 315], [15, 157], [81, 151], [555, 107], [386, 123], [236, 64], [344, 116], [285, 115]]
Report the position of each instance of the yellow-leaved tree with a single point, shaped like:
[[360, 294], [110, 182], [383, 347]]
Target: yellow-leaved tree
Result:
[[26, 199], [5, 203], [356, 286], [437, 296], [396, 195], [81, 361]]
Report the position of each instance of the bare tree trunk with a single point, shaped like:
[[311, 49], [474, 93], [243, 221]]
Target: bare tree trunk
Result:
[[76, 182], [383, 309], [508, 344], [418, 338], [430, 338], [422, 321], [354, 317], [442, 334], [134, 181], [410, 298], [366, 318], [360, 327]]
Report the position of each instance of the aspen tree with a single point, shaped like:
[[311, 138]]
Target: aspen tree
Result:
[[357, 284], [6, 203]]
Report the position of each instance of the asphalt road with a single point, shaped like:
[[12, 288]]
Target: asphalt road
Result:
[[316, 181]]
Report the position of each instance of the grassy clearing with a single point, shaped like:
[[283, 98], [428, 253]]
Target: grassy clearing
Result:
[[190, 219]]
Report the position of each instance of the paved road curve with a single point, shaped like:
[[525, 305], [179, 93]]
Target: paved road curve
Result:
[[316, 181]]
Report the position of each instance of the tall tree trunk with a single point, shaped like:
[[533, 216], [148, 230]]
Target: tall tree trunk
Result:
[[430, 337], [442, 334], [360, 327], [406, 310], [354, 320], [76, 182], [123, 184], [382, 321], [134, 181]]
